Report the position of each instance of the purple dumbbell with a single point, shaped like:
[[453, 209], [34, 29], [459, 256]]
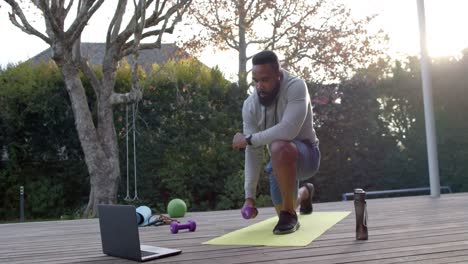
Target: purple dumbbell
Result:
[[175, 227], [249, 212]]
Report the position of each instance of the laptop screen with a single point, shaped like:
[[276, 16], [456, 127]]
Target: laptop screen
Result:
[[119, 231]]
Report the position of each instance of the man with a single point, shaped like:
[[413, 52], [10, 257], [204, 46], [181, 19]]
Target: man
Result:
[[279, 115]]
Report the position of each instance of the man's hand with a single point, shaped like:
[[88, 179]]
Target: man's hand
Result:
[[250, 202], [239, 142], [248, 210]]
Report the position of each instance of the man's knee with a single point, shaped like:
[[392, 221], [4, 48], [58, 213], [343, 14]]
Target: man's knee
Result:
[[284, 151]]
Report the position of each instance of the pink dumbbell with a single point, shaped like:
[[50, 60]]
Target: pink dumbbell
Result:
[[249, 212], [175, 227]]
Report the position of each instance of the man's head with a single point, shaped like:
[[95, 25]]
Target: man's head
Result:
[[266, 76]]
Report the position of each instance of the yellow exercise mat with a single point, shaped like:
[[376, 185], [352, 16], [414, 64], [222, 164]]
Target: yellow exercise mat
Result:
[[261, 234]]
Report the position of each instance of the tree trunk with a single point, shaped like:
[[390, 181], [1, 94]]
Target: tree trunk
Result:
[[99, 145], [242, 74]]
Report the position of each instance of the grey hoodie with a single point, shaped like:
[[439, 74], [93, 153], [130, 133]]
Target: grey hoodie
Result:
[[289, 118]]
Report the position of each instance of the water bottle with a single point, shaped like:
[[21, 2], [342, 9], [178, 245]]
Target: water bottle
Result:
[[360, 207]]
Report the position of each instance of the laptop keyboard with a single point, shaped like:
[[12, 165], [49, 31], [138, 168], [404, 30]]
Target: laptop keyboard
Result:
[[147, 253]]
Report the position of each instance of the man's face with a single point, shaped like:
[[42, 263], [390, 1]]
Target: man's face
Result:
[[267, 83]]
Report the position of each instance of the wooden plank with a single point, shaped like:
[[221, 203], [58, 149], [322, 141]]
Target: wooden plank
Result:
[[401, 230]]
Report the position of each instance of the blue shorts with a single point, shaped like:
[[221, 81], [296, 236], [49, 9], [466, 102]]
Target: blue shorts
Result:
[[307, 166]]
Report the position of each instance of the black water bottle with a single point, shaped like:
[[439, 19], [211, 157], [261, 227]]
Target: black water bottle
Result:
[[360, 207]]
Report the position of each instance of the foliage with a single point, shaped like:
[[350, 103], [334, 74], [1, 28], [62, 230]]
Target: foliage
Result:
[[371, 131], [184, 130], [348, 128], [42, 151], [402, 104]]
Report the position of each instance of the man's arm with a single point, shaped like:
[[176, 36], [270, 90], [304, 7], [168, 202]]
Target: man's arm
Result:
[[253, 154]]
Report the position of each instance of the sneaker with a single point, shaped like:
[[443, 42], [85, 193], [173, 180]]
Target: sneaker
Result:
[[306, 205], [287, 223]]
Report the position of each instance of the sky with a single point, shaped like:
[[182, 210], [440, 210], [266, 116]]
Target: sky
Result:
[[446, 23]]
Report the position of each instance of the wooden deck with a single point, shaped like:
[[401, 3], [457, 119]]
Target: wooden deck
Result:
[[401, 230]]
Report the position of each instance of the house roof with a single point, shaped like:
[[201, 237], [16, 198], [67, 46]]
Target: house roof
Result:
[[95, 54]]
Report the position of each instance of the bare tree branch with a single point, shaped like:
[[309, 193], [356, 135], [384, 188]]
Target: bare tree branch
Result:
[[67, 9], [55, 29], [25, 26], [154, 20], [259, 41], [281, 16], [116, 22], [127, 47], [217, 27], [95, 82], [259, 9], [140, 11], [123, 36], [76, 28], [119, 98], [84, 65]]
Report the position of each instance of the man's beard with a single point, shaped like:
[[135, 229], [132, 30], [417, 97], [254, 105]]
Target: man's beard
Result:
[[270, 97]]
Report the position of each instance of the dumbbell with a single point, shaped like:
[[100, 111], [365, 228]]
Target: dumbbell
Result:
[[249, 212], [175, 227]]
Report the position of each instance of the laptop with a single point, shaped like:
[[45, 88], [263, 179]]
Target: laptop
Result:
[[120, 237]]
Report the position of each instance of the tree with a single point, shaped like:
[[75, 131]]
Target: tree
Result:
[[347, 124], [315, 39], [98, 138], [402, 107]]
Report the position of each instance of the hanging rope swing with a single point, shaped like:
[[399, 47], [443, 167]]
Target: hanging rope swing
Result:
[[133, 130], [139, 26], [127, 198]]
